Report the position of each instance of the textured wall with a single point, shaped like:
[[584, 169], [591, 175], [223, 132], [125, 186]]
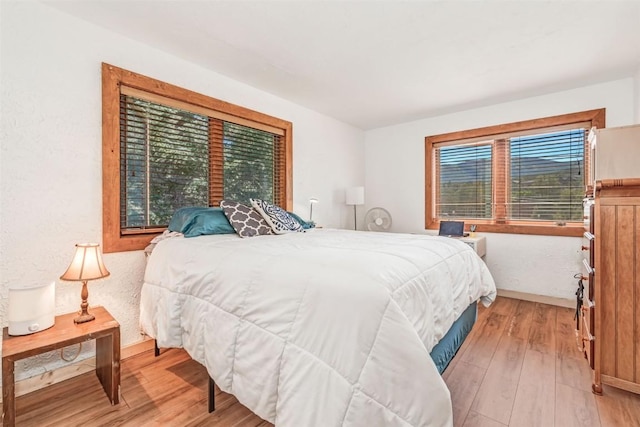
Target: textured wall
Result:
[[51, 170], [395, 171], [637, 95]]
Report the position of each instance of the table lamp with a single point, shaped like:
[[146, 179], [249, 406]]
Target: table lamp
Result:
[[86, 265]]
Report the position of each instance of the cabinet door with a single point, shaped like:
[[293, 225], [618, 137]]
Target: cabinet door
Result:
[[618, 282]]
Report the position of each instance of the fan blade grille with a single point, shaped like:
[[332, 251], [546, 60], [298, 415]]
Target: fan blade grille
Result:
[[378, 219]]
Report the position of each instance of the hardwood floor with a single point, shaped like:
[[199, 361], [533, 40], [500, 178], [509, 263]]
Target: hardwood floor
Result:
[[519, 367]]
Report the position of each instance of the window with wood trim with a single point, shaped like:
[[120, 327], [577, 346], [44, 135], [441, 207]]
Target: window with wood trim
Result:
[[165, 147], [526, 177]]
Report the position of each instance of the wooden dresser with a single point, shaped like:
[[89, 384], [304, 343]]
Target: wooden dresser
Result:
[[610, 315]]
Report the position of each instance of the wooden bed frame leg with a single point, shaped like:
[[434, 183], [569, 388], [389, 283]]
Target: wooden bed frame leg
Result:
[[212, 398], [156, 350]]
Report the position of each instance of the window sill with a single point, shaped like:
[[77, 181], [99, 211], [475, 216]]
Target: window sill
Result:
[[128, 242], [538, 229]]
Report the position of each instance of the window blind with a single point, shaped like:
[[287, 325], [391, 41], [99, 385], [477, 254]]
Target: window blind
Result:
[[248, 163], [537, 177], [547, 176], [463, 181], [171, 158], [163, 154]]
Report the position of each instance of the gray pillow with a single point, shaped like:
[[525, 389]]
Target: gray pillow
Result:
[[244, 219]]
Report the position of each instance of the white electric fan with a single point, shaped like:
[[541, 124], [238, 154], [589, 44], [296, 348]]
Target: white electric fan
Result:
[[378, 219]]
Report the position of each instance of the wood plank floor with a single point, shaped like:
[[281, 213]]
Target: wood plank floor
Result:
[[519, 367]]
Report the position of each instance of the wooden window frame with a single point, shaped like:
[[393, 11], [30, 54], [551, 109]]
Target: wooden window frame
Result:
[[595, 117], [113, 79]]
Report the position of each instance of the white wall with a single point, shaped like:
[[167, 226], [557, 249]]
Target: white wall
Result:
[[395, 171], [637, 95], [51, 154]]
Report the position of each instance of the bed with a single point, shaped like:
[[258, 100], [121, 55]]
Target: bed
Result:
[[328, 327]]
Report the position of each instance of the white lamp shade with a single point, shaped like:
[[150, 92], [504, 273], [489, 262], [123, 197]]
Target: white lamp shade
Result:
[[355, 196], [31, 309], [86, 264]]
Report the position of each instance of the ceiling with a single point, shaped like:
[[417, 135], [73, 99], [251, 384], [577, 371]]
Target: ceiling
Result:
[[373, 64]]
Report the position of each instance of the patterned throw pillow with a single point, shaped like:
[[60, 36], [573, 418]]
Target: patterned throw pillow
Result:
[[244, 219], [279, 219]]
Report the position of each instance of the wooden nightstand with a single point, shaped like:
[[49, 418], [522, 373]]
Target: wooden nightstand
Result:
[[104, 329]]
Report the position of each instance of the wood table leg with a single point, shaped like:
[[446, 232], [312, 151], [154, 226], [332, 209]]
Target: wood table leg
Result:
[[8, 393], [108, 365]]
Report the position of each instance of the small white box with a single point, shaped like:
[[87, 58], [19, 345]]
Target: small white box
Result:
[[616, 153], [31, 309]]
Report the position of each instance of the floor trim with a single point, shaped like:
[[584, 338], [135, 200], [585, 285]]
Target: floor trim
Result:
[[559, 302]]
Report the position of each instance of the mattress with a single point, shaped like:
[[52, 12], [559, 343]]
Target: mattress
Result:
[[446, 349], [330, 327]]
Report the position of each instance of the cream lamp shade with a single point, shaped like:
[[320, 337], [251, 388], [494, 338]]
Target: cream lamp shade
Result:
[[355, 196], [86, 265]]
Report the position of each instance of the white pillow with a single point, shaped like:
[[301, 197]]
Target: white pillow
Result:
[[278, 219]]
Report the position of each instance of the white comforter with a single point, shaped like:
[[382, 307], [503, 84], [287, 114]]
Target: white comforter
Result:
[[324, 328]]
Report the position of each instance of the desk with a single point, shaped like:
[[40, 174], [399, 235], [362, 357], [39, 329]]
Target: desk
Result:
[[104, 329]]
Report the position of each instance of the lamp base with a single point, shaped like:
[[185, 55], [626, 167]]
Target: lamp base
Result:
[[84, 317], [355, 218], [84, 314]]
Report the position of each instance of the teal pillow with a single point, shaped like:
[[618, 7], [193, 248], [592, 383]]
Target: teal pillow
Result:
[[197, 221], [306, 225], [182, 217]]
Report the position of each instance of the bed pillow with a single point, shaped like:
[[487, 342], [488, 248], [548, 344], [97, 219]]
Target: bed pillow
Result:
[[182, 217], [197, 221], [305, 224], [245, 220], [279, 219]]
